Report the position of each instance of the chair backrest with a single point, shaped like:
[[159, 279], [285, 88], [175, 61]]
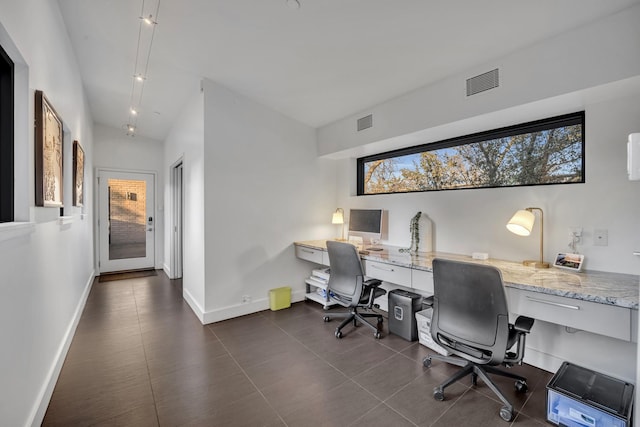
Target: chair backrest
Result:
[[470, 310], [346, 276]]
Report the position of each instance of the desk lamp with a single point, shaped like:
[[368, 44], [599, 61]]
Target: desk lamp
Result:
[[338, 218], [521, 224]]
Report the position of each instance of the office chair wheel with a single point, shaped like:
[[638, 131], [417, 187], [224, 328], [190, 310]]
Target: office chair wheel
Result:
[[426, 362], [327, 319], [378, 335], [474, 379], [438, 394], [338, 334], [506, 413], [521, 386]]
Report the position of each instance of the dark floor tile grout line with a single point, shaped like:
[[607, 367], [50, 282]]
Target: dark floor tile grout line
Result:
[[248, 378], [376, 407], [146, 360]]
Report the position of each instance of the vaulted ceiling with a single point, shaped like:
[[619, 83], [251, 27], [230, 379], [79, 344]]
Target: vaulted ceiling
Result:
[[317, 64]]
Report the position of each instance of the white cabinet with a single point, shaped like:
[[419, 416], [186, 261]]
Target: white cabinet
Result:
[[314, 255], [422, 282], [634, 327], [388, 273], [588, 316]]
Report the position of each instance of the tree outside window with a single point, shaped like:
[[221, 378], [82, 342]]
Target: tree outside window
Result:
[[549, 151]]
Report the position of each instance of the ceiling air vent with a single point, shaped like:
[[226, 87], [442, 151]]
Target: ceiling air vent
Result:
[[365, 122], [486, 81]]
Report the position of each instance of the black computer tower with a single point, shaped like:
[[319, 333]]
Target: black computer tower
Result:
[[403, 306]]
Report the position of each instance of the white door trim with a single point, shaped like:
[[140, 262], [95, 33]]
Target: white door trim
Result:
[[176, 221], [96, 228]]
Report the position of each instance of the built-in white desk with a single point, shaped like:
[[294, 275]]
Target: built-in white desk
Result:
[[599, 303]]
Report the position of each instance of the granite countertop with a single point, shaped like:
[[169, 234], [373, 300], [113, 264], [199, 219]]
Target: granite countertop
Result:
[[606, 288]]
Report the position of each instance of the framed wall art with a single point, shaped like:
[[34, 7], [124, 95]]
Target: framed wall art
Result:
[[48, 162], [78, 174]]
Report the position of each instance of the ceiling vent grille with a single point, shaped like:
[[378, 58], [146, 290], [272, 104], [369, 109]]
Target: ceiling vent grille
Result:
[[365, 122], [486, 81]]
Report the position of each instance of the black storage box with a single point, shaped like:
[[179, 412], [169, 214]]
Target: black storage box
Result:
[[579, 397], [403, 306]]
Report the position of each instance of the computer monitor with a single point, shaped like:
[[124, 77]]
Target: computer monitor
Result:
[[366, 223]]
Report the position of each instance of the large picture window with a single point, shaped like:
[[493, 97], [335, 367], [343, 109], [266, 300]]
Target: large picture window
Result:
[[6, 137], [543, 152]]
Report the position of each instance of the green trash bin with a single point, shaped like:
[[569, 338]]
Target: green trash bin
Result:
[[280, 298]]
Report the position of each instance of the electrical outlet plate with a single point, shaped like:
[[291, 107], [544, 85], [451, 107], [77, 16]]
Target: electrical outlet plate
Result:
[[575, 233]]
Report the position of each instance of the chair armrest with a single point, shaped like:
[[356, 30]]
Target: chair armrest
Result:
[[523, 324], [374, 283]]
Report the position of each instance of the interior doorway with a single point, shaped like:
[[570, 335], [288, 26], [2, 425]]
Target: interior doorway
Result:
[[177, 236], [126, 221]]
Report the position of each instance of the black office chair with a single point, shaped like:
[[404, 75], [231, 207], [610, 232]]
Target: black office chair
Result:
[[348, 287], [471, 320]]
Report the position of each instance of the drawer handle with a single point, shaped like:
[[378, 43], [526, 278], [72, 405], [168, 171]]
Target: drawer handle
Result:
[[383, 269], [308, 251], [557, 304]]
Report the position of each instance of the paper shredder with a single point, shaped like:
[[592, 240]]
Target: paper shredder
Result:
[[403, 306]]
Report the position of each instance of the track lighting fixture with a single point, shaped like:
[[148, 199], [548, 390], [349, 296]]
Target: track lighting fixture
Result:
[[148, 22]]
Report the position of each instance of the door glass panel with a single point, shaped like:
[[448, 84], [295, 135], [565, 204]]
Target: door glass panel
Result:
[[127, 219]]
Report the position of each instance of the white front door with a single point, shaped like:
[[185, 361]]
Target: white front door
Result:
[[126, 221]]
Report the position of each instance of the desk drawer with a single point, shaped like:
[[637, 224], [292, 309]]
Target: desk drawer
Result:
[[422, 281], [309, 254], [588, 316], [388, 273]]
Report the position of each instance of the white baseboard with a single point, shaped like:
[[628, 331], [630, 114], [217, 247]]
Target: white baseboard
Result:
[[237, 310], [229, 312], [166, 270], [199, 311], [44, 396]]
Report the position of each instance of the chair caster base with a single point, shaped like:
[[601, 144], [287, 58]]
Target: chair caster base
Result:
[[506, 413], [521, 386], [326, 318], [426, 362], [438, 394]]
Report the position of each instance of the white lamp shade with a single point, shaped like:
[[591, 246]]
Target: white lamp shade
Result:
[[521, 223], [338, 218]]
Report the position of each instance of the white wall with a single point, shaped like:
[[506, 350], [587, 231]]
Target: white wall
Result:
[[47, 273], [114, 150], [605, 83], [466, 221], [186, 143], [593, 55], [265, 187]]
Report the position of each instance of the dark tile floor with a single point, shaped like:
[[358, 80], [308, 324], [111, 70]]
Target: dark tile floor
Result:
[[141, 358]]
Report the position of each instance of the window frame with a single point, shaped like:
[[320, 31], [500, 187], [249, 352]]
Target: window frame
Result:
[[577, 118], [7, 137]]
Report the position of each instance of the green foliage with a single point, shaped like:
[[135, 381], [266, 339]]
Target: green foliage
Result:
[[545, 157]]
